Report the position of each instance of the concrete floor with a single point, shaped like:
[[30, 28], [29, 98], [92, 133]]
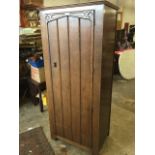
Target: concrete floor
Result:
[[121, 138]]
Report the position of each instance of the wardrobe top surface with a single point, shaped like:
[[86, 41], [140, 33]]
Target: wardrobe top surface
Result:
[[107, 3]]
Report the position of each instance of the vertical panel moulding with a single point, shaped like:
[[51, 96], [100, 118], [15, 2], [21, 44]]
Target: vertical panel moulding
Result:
[[79, 21], [57, 26], [92, 72], [70, 91]]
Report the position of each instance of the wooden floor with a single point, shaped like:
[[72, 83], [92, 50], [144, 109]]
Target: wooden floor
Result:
[[121, 138]]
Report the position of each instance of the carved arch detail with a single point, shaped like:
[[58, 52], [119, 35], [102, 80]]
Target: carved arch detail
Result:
[[87, 14]]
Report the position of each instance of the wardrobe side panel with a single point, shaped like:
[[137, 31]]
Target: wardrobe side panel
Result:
[[109, 28]]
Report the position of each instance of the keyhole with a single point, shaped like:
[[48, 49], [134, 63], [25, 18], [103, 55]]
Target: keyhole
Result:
[[55, 64]]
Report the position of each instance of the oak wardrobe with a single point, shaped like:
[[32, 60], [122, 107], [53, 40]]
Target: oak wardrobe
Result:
[[78, 43]]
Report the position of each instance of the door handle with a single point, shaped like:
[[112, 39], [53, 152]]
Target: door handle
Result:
[[55, 64]]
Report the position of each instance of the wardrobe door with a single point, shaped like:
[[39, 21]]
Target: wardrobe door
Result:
[[71, 40]]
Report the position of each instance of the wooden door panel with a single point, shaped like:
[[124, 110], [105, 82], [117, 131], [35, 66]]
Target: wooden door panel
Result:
[[86, 81], [63, 26], [56, 78], [74, 39], [71, 48]]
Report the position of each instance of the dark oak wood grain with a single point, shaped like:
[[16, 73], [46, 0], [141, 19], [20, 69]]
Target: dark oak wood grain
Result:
[[65, 73], [56, 75], [86, 81], [97, 76], [78, 43], [48, 75], [107, 71], [75, 65]]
